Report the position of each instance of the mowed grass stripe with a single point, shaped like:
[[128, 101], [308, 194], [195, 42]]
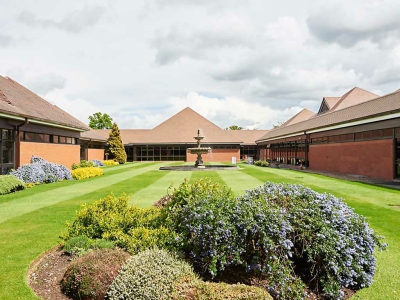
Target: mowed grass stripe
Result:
[[24, 205], [39, 230], [147, 196], [239, 181], [47, 187], [213, 175]]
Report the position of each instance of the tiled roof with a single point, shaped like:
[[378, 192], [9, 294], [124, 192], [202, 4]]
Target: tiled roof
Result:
[[353, 97], [379, 106], [248, 137], [303, 115], [331, 101], [18, 101], [94, 135]]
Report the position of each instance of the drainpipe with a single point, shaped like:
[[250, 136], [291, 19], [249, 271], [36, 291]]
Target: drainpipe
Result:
[[17, 150], [306, 150]]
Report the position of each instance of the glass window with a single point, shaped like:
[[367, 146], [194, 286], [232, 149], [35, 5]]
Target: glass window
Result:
[[39, 138], [367, 135], [6, 134], [7, 149], [387, 132], [342, 137], [55, 139], [46, 138], [358, 136], [376, 134], [29, 136], [62, 140], [69, 140], [350, 137]]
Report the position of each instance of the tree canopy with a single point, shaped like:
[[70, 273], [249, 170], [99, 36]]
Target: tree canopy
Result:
[[100, 121], [234, 127], [115, 148]]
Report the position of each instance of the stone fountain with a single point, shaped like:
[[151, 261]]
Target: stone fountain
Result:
[[199, 151], [199, 165]]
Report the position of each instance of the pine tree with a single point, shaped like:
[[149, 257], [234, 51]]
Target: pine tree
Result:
[[115, 148]]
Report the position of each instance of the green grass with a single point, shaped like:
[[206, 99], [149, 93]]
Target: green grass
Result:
[[32, 220]]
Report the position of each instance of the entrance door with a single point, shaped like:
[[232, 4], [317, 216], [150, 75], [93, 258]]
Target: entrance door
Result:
[[397, 172]]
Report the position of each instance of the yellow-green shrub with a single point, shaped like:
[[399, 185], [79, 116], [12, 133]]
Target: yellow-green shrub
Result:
[[83, 173], [110, 162]]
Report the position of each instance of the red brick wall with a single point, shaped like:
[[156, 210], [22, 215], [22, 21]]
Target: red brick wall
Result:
[[56, 153], [370, 158], [95, 154], [216, 155]]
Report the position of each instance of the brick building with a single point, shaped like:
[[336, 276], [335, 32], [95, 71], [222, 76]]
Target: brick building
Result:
[[358, 133], [30, 125], [169, 140]]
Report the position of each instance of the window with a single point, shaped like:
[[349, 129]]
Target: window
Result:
[[376, 133], [359, 136], [62, 140], [350, 137], [387, 132], [367, 134]]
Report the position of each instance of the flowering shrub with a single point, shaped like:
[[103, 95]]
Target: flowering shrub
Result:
[[41, 171], [90, 276], [97, 163], [288, 232], [10, 184], [83, 164], [149, 275], [129, 227], [84, 173], [110, 162]]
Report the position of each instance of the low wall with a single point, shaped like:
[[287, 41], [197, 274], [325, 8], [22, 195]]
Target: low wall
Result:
[[95, 154], [216, 155], [56, 153]]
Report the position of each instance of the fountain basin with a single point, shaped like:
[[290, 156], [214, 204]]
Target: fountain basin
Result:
[[199, 168]]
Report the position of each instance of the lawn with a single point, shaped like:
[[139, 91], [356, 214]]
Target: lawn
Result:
[[32, 220]]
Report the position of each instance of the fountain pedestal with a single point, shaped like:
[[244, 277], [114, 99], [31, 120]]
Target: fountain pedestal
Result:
[[199, 151]]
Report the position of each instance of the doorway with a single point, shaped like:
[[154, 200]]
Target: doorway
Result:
[[397, 159]]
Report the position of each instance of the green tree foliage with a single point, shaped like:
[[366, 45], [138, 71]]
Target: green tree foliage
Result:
[[100, 121], [234, 127], [115, 149]]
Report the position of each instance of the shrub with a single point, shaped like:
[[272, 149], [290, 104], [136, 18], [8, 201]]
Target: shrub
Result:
[[110, 162], [10, 184], [261, 163], [97, 163], [287, 232], [41, 171], [83, 164], [84, 173], [115, 148], [163, 201], [90, 276], [191, 287], [149, 275], [129, 227]]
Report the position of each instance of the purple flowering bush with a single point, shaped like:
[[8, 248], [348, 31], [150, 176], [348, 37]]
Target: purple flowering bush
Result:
[[291, 234], [41, 171], [97, 163]]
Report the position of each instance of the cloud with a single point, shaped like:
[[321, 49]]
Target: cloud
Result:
[[74, 21], [347, 23], [221, 111], [5, 40], [213, 34], [46, 83]]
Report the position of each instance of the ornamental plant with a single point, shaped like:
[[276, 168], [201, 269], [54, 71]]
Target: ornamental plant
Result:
[[127, 226], [41, 171], [83, 164], [110, 162], [10, 184], [289, 233], [84, 173], [90, 276], [115, 148], [97, 163], [149, 275]]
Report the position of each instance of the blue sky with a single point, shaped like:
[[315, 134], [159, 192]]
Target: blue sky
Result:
[[238, 62]]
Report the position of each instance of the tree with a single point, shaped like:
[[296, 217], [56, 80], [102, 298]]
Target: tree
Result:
[[234, 127], [115, 149], [279, 124], [100, 121]]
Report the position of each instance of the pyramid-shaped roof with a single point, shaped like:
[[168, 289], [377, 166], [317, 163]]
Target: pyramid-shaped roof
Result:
[[303, 115], [18, 101]]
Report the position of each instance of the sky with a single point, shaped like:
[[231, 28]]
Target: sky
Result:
[[251, 63]]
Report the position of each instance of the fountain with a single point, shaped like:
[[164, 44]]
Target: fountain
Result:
[[199, 151], [199, 164]]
